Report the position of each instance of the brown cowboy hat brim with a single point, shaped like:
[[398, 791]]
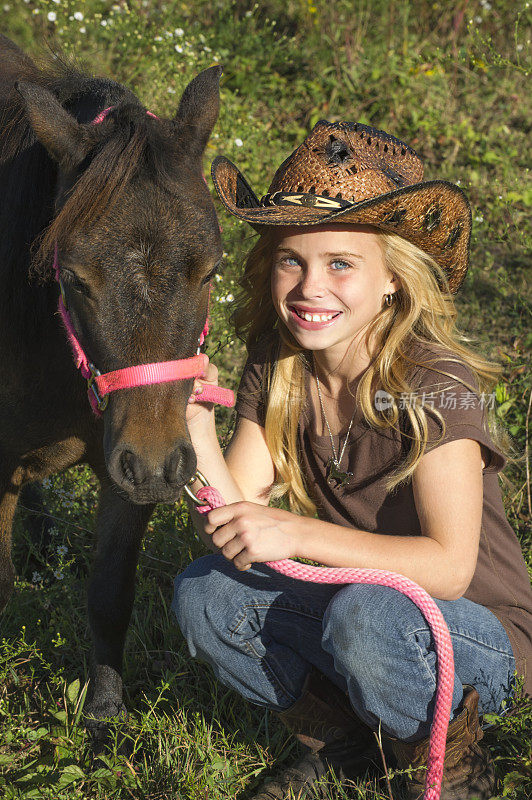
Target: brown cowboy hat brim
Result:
[[434, 215]]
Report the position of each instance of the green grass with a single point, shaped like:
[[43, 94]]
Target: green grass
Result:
[[455, 87]]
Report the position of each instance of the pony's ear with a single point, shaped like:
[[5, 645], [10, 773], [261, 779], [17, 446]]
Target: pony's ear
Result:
[[198, 110], [66, 141]]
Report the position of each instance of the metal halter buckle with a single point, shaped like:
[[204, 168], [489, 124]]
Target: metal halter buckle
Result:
[[101, 402], [198, 476]]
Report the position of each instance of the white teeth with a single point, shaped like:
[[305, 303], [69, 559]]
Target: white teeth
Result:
[[308, 317]]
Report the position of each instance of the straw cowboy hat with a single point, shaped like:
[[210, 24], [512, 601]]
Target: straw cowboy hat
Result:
[[352, 173]]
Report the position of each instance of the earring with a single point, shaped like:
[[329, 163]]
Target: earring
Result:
[[388, 299]]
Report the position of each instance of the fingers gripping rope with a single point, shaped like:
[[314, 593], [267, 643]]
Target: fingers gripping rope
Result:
[[211, 498]]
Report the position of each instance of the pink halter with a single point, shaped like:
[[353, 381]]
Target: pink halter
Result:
[[99, 386]]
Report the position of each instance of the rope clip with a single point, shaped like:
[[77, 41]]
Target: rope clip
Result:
[[198, 476]]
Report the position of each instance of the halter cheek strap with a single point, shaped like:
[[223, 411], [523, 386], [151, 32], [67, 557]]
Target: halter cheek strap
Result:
[[100, 386]]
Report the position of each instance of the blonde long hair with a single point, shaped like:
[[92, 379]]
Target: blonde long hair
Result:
[[422, 312]]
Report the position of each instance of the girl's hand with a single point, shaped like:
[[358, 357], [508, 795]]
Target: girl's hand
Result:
[[248, 532], [197, 413]]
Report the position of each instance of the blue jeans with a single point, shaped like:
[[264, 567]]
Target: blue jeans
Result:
[[261, 632]]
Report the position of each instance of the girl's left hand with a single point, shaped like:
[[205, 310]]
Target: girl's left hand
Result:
[[249, 532]]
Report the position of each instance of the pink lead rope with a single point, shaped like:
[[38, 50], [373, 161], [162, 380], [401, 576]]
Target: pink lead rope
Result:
[[208, 498]]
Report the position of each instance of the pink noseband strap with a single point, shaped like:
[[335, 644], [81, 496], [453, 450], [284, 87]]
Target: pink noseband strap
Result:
[[162, 372], [99, 386]]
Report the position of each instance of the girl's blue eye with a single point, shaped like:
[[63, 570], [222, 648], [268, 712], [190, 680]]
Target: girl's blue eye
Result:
[[289, 261], [343, 265]]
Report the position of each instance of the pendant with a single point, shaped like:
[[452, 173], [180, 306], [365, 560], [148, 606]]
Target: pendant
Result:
[[336, 476]]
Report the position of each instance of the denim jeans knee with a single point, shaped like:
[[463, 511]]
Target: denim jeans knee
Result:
[[382, 645], [225, 617]]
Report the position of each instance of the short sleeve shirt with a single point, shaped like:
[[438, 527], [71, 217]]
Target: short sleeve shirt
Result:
[[500, 581]]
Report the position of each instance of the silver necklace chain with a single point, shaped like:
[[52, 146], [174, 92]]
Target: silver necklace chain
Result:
[[333, 471]]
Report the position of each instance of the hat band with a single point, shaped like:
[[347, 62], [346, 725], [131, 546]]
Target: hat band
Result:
[[302, 199]]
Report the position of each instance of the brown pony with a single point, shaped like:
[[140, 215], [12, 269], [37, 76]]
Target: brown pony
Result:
[[138, 241]]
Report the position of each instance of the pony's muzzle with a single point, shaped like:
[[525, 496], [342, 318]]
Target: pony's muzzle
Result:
[[149, 482]]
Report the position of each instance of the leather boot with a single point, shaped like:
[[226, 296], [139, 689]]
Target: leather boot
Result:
[[467, 769], [335, 738]]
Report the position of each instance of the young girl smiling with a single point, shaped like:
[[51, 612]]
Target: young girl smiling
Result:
[[362, 405]]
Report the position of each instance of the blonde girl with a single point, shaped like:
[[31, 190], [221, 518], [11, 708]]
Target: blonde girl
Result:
[[364, 408]]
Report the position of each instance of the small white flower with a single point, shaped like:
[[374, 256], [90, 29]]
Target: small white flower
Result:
[[78, 15], [7, 7], [458, 183], [229, 298], [218, 278], [53, 531], [207, 49], [179, 32], [62, 550], [36, 577], [478, 20], [52, 16], [58, 574], [46, 483], [178, 48], [519, 47], [239, 142], [479, 218], [171, 90], [103, 23], [83, 29], [158, 39]]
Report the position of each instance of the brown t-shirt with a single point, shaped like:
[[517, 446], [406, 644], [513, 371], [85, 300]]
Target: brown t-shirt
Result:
[[500, 582]]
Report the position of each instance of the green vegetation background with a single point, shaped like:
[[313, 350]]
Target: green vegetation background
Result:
[[451, 78]]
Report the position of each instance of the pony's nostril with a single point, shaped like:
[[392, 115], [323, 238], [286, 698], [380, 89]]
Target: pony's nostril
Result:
[[132, 468], [180, 464]]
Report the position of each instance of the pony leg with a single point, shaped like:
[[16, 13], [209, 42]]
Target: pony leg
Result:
[[120, 528], [9, 492]]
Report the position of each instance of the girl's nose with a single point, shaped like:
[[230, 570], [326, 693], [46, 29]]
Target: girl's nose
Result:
[[312, 283]]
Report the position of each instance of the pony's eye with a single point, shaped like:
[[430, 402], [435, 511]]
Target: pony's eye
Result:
[[71, 280], [208, 278]]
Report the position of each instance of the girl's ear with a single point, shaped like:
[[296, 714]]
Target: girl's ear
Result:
[[395, 283]]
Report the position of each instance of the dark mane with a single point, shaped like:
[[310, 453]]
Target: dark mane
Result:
[[129, 142]]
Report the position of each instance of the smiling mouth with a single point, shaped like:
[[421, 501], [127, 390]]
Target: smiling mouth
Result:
[[315, 316]]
